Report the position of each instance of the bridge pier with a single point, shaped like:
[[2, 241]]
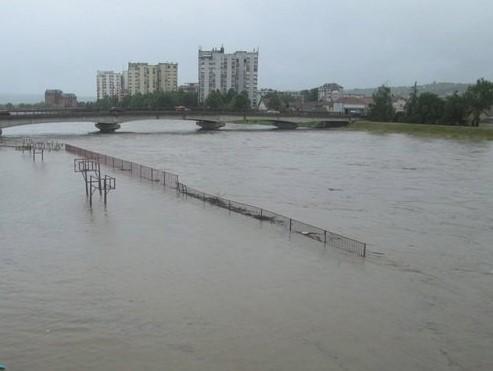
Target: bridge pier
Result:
[[285, 125], [0, 132], [107, 127], [210, 125]]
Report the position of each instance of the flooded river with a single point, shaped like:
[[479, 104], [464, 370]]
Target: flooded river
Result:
[[158, 282]]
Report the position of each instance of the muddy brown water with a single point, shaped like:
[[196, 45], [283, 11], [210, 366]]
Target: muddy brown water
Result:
[[158, 282]]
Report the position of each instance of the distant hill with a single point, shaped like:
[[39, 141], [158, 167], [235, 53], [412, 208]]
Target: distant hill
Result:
[[440, 88]]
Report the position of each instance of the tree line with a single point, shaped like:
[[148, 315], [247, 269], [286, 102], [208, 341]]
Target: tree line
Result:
[[429, 108], [278, 101], [231, 101], [169, 100], [152, 101]]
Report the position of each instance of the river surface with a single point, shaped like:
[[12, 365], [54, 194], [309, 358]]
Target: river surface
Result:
[[158, 282]]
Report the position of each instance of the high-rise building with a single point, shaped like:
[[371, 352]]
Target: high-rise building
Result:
[[109, 84], [55, 98], [329, 92], [221, 71], [190, 88], [144, 78]]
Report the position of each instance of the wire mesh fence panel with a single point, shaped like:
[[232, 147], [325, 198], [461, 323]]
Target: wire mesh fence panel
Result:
[[126, 166], [146, 172], [307, 230], [276, 218], [344, 243], [156, 176], [134, 169], [245, 209], [172, 180], [189, 191]]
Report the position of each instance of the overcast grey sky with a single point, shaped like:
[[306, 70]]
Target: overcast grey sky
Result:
[[303, 43]]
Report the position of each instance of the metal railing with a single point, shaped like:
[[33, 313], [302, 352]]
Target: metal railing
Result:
[[155, 175], [171, 180]]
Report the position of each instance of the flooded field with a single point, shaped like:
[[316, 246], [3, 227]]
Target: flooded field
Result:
[[159, 282]]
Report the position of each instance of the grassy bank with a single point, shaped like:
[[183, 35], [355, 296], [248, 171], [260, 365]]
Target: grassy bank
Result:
[[307, 124], [484, 132], [251, 122]]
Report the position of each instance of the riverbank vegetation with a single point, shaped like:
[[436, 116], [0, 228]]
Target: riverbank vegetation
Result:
[[231, 101], [152, 101], [483, 132], [428, 108]]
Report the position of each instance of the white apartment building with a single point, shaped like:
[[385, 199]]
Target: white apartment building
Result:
[[109, 84], [329, 92], [146, 78], [220, 71]]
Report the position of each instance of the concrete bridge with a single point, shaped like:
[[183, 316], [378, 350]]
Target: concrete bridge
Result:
[[109, 121]]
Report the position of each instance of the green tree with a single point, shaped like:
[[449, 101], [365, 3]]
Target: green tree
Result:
[[381, 109], [287, 99], [429, 108], [412, 105], [137, 102], [310, 95], [479, 98], [454, 110], [215, 100], [154, 101], [187, 99], [229, 97], [273, 101], [165, 100], [241, 102]]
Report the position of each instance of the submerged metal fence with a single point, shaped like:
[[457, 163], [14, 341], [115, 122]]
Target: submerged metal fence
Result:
[[155, 175], [171, 180]]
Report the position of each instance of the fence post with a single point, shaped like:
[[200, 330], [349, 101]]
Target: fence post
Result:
[[364, 250], [90, 191], [325, 237], [152, 174], [98, 166], [140, 171], [105, 191], [290, 223]]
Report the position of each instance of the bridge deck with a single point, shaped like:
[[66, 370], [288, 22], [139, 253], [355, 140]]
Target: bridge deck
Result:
[[18, 118]]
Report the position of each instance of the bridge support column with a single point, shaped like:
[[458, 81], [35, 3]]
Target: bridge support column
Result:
[[107, 127], [0, 132], [285, 125], [210, 125]]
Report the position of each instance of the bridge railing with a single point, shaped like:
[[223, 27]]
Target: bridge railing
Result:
[[82, 113], [171, 180]]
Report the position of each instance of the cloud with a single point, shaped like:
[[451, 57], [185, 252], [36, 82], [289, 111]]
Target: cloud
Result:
[[302, 44]]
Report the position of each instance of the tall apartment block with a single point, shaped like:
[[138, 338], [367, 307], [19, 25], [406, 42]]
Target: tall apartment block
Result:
[[55, 98], [146, 78], [221, 71], [109, 84]]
